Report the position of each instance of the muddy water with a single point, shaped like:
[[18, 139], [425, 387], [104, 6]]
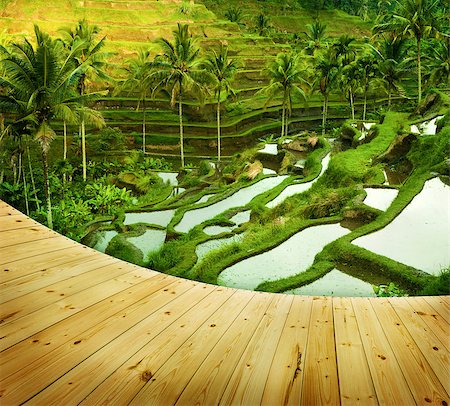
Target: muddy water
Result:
[[160, 218], [336, 283], [380, 198], [419, 235], [293, 256], [242, 197], [151, 240], [297, 188]]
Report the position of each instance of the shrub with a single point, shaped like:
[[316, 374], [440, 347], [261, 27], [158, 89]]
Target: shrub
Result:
[[439, 285], [234, 14]]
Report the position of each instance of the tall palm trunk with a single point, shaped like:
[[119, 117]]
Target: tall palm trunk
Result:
[[365, 102], [83, 131], [25, 190], [143, 127], [47, 188], [286, 121], [419, 69], [65, 141], [283, 115], [389, 97], [65, 148], [324, 113], [180, 113], [352, 104], [33, 184], [218, 127], [83, 149]]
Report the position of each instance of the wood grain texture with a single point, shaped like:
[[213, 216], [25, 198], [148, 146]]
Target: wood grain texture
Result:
[[355, 380], [80, 327]]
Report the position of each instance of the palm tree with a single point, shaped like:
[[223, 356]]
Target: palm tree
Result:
[[178, 67], [366, 68], [326, 69], [343, 50], [40, 86], [412, 18], [349, 80], [391, 54], [222, 71], [286, 77], [138, 80], [262, 24], [439, 63], [315, 36], [89, 55]]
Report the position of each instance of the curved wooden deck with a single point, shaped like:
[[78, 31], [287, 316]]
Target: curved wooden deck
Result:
[[78, 326]]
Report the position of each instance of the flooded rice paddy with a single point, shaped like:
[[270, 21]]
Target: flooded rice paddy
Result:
[[203, 248], [240, 198], [336, 283], [161, 218], [103, 240], [299, 187], [150, 241], [380, 198], [419, 235], [291, 257]]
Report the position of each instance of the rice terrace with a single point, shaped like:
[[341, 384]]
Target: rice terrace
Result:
[[207, 202]]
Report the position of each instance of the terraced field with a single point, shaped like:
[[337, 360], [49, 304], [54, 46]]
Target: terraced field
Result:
[[131, 26]]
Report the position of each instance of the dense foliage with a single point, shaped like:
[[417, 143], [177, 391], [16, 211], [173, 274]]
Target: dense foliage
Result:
[[63, 166]]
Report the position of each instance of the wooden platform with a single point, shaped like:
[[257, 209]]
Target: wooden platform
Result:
[[78, 326]]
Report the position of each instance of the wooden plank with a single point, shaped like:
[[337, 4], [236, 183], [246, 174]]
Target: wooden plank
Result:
[[31, 324], [34, 233], [210, 380], [246, 386], [431, 347], [436, 323], [16, 222], [159, 312], [65, 329], [320, 384], [87, 274], [34, 248], [127, 380], [37, 266], [31, 378], [387, 376], [15, 288], [440, 305], [181, 365], [421, 379], [285, 377], [355, 380], [7, 210]]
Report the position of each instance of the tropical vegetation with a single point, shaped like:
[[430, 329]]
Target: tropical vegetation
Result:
[[87, 122]]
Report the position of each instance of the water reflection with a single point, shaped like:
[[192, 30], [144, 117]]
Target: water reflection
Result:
[[104, 238], [299, 187], [419, 235], [380, 198], [203, 248], [241, 198], [160, 218], [336, 283], [291, 257], [151, 240]]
